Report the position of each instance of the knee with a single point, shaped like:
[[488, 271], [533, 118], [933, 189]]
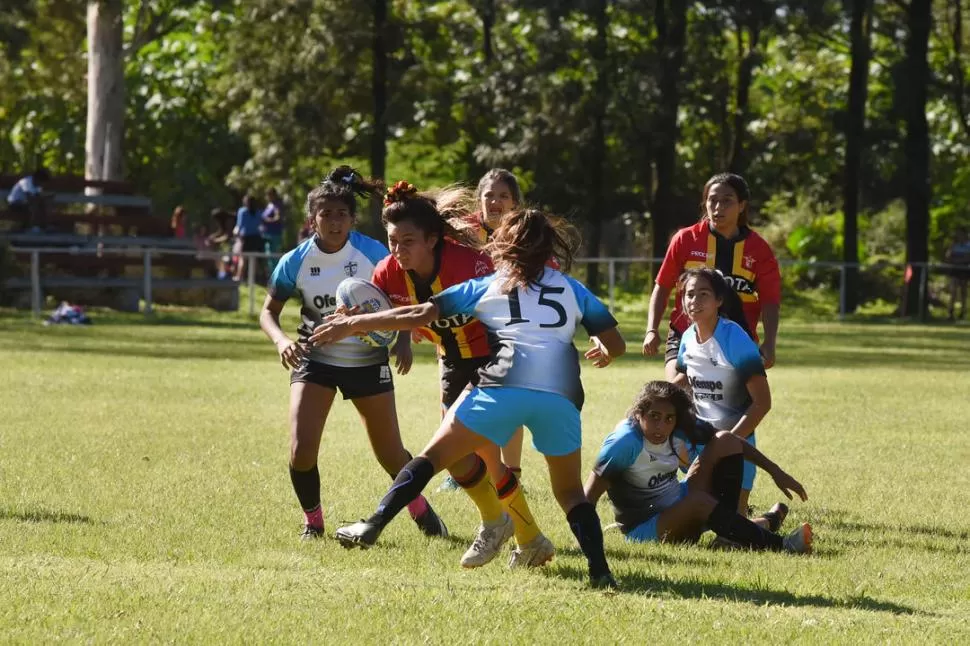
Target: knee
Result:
[[569, 497]]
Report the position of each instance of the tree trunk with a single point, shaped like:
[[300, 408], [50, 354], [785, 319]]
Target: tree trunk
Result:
[[597, 202], [103, 159], [860, 27], [487, 13], [749, 22], [378, 155], [671, 21], [917, 149]]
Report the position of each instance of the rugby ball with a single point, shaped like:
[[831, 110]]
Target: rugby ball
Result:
[[370, 298]]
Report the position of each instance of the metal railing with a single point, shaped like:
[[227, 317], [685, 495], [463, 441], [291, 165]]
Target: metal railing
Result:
[[36, 280]]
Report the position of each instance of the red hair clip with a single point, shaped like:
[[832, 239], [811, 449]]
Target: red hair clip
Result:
[[397, 192]]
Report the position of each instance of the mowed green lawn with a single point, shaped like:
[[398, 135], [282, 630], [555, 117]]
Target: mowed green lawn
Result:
[[144, 496]]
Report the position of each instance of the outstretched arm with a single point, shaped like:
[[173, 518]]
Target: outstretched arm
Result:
[[339, 326], [607, 345], [782, 480]]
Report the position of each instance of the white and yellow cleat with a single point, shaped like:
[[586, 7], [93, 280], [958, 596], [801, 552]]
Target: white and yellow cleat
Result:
[[487, 545]]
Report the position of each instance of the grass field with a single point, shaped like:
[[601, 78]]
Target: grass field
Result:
[[144, 497]]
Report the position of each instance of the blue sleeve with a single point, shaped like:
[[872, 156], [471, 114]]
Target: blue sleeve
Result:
[[596, 316], [463, 297], [620, 450], [740, 350], [374, 250], [240, 214], [282, 283]]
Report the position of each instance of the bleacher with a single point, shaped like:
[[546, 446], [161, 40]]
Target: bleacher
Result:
[[92, 251]]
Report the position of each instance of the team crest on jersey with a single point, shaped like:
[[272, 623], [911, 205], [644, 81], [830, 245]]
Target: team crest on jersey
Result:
[[350, 268], [314, 271], [481, 268], [748, 262]]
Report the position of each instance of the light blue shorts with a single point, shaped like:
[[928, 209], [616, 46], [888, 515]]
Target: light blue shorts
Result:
[[496, 413], [647, 530]]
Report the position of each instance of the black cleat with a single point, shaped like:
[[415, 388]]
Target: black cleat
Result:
[[431, 524], [362, 535], [311, 533]]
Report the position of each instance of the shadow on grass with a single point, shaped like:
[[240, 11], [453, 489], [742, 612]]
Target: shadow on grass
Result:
[[45, 516], [642, 582], [902, 538]]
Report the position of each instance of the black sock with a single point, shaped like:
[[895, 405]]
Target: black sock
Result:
[[306, 484], [726, 480], [410, 482], [585, 524], [727, 522]]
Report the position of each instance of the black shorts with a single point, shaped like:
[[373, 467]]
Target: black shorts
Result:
[[352, 383], [252, 243], [673, 346], [456, 374]]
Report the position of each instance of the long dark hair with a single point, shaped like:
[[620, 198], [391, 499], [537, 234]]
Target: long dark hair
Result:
[[443, 212], [344, 184], [525, 241], [731, 306], [654, 391], [740, 187]]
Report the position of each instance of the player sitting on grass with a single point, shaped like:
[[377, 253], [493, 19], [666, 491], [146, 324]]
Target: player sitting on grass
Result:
[[531, 312], [637, 468], [311, 272]]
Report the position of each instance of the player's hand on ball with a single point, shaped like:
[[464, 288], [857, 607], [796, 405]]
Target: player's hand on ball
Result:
[[787, 484], [334, 328], [598, 353], [292, 354]]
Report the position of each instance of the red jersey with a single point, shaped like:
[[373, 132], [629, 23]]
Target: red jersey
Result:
[[457, 337], [746, 262]]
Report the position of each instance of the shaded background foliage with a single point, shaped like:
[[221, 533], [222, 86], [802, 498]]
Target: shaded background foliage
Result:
[[613, 111]]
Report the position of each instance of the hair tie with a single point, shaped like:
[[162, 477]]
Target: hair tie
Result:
[[399, 192], [347, 179]]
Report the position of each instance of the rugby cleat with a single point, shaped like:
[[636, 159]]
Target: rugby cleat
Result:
[[362, 534], [449, 484], [800, 540], [535, 553], [489, 541], [430, 524]]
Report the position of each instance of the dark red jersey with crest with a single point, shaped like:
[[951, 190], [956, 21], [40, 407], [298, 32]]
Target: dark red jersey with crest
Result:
[[457, 337], [747, 263]]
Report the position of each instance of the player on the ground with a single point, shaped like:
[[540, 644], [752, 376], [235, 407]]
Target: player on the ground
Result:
[[637, 467], [423, 232], [531, 312], [359, 371]]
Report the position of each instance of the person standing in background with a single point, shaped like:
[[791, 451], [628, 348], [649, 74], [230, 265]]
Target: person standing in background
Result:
[[247, 231], [272, 227]]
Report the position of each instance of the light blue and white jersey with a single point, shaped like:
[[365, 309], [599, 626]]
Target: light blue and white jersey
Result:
[[642, 476], [718, 371], [530, 329], [313, 275]]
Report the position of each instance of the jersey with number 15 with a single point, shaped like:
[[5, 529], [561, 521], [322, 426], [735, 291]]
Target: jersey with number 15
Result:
[[530, 329]]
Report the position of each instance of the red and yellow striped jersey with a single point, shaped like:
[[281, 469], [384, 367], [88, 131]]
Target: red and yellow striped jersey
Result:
[[747, 263], [457, 337]]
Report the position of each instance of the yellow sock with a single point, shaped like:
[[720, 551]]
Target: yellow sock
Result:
[[515, 505], [483, 495]]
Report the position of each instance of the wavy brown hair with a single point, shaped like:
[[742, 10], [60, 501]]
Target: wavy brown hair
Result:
[[526, 241], [654, 391], [443, 212]]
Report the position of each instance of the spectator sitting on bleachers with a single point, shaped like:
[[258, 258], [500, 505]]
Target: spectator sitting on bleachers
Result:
[[247, 231], [27, 199], [178, 225]]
